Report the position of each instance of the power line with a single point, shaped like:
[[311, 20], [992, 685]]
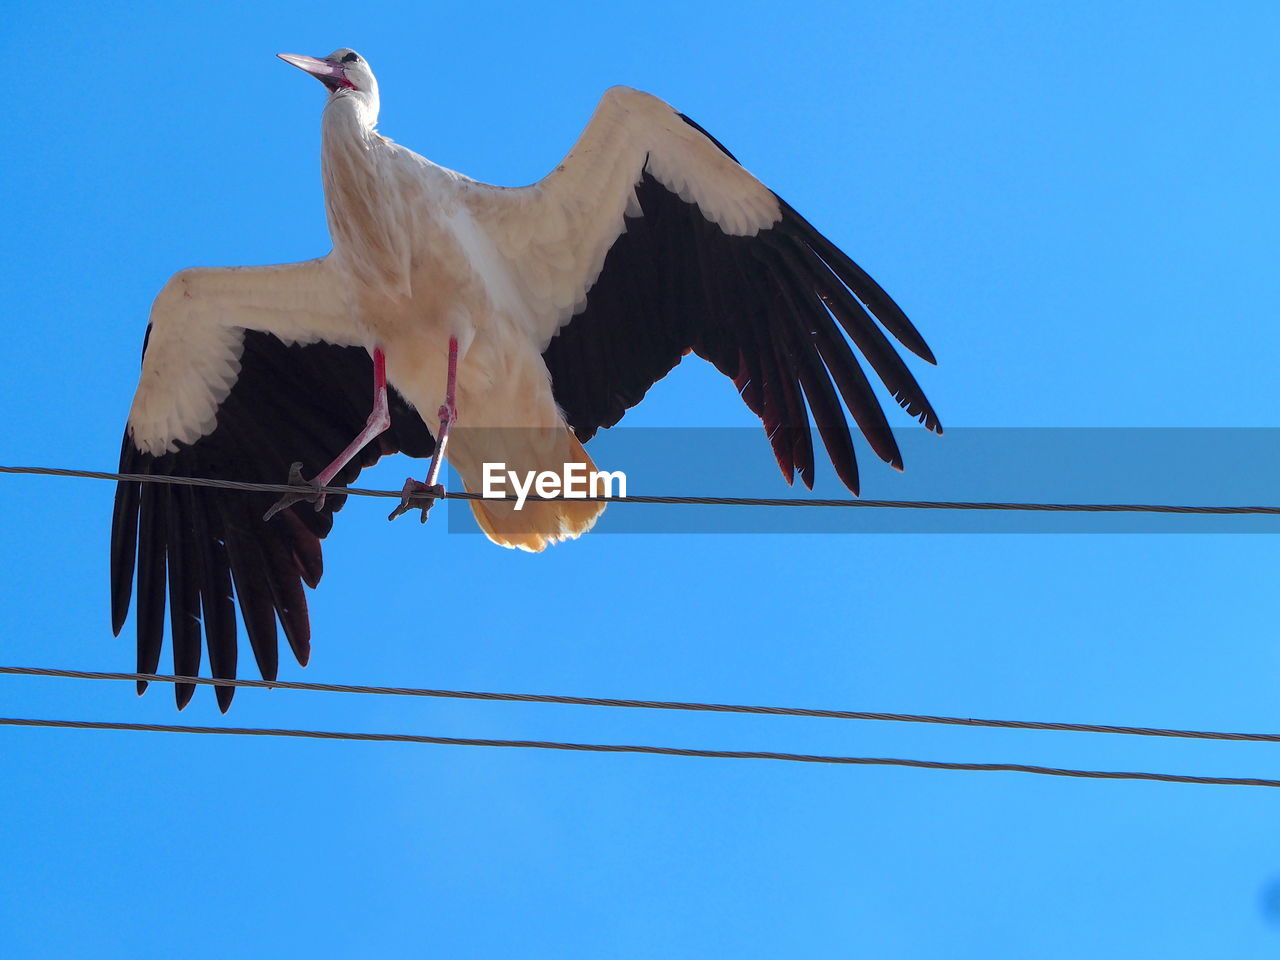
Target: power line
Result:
[[670, 501], [646, 704], [631, 748], [656, 704]]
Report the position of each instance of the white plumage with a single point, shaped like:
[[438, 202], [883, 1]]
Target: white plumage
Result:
[[566, 299]]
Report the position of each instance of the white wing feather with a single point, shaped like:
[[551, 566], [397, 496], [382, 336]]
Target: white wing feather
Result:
[[197, 323], [556, 233]]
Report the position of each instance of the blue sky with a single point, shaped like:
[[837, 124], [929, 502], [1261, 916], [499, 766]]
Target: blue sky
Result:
[[1076, 205]]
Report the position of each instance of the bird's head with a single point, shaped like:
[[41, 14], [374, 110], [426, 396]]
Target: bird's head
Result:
[[342, 70]]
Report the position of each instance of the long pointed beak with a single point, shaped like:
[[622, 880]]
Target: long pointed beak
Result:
[[326, 71]]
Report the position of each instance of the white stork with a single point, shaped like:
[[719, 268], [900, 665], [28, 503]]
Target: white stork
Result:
[[550, 309]]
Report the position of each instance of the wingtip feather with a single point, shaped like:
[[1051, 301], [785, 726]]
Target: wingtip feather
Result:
[[225, 696]]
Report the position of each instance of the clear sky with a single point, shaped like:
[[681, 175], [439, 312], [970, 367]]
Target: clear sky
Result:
[[1077, 206]]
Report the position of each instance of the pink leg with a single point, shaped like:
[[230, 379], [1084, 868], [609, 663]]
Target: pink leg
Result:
[[448, 414], [379, 420]]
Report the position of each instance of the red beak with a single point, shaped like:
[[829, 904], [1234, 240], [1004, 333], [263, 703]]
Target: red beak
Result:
[[331, 74]]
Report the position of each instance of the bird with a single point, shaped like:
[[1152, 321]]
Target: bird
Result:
[[531, 316]]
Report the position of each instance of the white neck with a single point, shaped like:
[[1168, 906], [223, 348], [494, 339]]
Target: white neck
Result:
[[351, 113], [360, 192]]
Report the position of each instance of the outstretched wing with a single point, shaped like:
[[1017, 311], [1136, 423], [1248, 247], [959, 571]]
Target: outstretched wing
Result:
[[650, 240], [244, 371]]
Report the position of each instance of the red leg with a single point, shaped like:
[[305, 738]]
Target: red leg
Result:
[[379, 420], [448, 414]]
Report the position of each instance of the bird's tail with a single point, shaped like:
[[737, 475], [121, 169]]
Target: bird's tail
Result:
[[537, 524]]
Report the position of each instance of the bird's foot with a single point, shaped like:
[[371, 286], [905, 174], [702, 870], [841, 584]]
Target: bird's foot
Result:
[[417, 496], [289, 499]]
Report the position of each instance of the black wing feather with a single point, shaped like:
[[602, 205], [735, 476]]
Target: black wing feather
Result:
[[208, 549], [184, 588], [151, 577], [767, 310]]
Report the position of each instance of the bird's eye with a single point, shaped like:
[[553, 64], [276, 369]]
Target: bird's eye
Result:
[[350, 58]]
